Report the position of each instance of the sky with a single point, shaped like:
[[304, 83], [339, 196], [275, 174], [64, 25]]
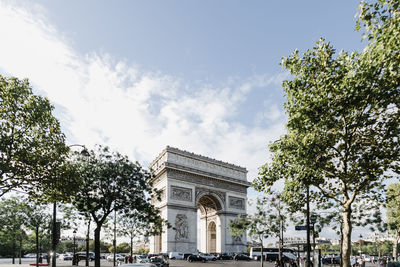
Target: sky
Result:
[[202, 76]]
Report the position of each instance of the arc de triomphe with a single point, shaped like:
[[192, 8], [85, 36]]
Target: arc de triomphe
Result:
[[189, 183]]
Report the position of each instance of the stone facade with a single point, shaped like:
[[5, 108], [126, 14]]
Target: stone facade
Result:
[[189, 183]]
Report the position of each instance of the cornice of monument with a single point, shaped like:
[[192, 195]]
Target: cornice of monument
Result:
[[217, 177], [198, 157]]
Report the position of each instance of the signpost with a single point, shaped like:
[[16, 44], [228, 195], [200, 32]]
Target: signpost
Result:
[[303, 227], [313, 219]]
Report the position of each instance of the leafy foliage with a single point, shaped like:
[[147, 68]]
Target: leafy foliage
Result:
[[12, 220], [31, 142], [111, 182], [393, 214], [269, 220], [343, 119]]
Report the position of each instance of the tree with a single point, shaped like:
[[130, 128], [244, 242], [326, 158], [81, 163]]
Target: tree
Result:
[[12, 218], [342, 130], [73, 219], [128, 226], [39, 221], [268, 221], [31, 142], [111, 182], [393, 214]]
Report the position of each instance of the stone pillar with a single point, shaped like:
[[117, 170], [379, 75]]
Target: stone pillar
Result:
[[184, 237]]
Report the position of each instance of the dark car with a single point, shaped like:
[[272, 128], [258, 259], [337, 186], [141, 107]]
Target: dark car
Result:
[[186, 255], [241, 257], [82, 256], [224, 256], [192, 258], [331, 260], [159, 261]]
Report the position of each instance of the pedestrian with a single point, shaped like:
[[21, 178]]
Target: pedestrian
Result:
[[292, 263], [380, 262]]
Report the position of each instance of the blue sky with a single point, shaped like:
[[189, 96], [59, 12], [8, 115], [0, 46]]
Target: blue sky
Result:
[[203, 76]]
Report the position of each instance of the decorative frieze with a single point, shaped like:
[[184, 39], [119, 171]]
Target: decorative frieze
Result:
[[202, 180], [236, 203], [181, 193]]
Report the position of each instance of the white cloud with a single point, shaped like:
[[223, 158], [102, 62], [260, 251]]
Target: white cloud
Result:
[[105, 101]]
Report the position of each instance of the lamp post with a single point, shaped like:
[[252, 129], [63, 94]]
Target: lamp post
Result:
[[360, 245], [74, 256], [55, 228]]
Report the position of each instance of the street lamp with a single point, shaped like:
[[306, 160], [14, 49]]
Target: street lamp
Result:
[[360, 245], [55, 226], [74, 256]]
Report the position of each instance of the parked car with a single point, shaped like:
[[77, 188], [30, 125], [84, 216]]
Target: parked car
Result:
[[331, 260], [241, 257], [142, 259], [192, 258], [117, 257], [159, 261], [30, 255], [208, 257], [138, 265], [66, 257], [224, 256], [82, 256], [186, 255], [176, 255]]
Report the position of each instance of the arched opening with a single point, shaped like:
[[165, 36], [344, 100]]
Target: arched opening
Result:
[[212, 237], [208, 221]]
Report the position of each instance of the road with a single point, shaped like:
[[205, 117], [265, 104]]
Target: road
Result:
[[173, 263]]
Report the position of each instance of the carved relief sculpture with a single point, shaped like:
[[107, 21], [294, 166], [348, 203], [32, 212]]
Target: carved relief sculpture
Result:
[[181, 227], [237, 203], [180, 193]]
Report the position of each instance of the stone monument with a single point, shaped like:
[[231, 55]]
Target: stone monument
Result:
[[189, 183]]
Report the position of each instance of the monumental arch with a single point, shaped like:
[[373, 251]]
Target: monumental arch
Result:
[[189, 183]]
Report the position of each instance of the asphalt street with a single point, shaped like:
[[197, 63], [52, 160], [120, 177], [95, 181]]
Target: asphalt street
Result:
[[173, 263]]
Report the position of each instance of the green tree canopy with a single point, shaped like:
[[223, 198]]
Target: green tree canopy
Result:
[[343, 118], [393, 214], [269, 220], [31, 142], [12, 221], [111, 182]]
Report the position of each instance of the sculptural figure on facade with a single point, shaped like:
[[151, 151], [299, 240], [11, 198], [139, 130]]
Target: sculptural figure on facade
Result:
[[181, 227]]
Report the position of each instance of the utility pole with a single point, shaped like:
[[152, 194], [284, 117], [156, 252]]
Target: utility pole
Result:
[[313, 220], [87, 242], [54, 238], [308, 226], [115, 237]]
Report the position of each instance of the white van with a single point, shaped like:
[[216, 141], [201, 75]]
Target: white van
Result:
[[176, 255]]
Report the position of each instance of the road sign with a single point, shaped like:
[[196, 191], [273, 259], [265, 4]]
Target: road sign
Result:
[[313, 218], [303, 227]]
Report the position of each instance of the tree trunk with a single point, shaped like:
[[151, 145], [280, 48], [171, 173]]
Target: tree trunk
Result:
[[346, 245], [37, 246], [262, 256], [97, 246], [131, 245], [14, 250], [395, 242], [341, 244], [20, 249], [379, 249], [87, 243]]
